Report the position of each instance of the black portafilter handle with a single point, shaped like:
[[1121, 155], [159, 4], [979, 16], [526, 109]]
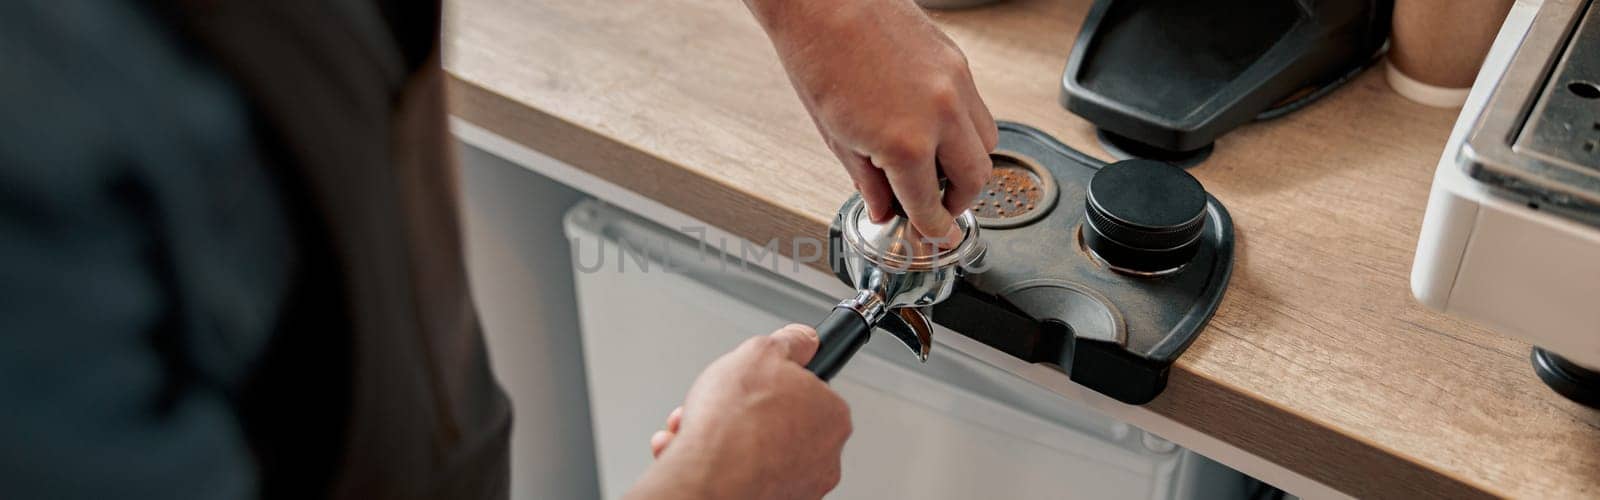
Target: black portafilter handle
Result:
[[839, 336]]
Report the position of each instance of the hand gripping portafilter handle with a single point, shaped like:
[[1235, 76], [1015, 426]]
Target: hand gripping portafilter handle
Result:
[[843, 333], [839, 336]]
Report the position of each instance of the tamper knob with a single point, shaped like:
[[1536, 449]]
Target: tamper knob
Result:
[[1144, 216]]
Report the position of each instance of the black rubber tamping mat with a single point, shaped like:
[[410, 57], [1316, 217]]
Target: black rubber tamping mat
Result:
[[1042, 296]]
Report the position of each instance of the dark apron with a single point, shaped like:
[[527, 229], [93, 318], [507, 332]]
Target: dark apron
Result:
[[351, 96]]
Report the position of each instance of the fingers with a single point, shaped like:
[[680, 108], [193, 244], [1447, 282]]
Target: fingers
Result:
[[675, 419], [915, 183], [982, 120], [659, 441], [977, 163], [794, 343], [798, 342], [961, 152], [966, 163], [662, 438], [872, 184]]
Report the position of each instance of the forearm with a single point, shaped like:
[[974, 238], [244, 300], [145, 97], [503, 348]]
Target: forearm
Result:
[[771, 14], [789, 22], [691, 471], [894, 100], [661, 483]]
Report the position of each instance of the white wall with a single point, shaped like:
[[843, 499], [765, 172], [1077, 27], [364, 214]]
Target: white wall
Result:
[[521, 273]]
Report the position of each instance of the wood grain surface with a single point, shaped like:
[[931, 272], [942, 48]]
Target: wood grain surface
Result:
[[1318, 359]]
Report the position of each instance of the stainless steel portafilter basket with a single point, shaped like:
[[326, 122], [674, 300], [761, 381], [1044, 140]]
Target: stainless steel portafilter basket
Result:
[[898, 274]]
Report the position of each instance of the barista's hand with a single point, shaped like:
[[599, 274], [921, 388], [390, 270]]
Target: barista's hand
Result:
[[893, 98], [755, 424]]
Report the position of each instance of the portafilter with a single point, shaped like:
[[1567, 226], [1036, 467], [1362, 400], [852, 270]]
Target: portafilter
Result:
[[898, 274]]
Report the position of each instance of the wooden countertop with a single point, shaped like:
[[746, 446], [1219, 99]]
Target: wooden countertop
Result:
[[1318, 360]]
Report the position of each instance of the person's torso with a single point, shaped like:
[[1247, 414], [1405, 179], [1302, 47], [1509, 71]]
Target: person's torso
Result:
[[288, 165]]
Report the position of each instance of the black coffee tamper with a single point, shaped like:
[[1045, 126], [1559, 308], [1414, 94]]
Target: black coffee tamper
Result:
[[1144, 217]]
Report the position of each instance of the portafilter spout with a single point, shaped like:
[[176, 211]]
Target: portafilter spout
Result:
[[899, 274]]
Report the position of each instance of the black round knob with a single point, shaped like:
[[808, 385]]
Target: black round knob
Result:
[[1144, 216]]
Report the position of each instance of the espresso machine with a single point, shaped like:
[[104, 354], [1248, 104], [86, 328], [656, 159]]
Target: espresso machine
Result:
[[1511, 237]]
